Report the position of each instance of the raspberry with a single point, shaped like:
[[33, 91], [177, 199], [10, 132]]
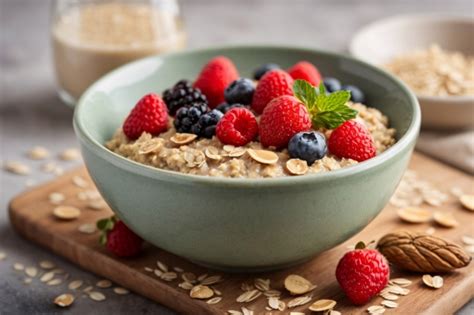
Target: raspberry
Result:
[[273, 84], [283, 117], [118, 238], [362, 274], [238, 127], [182, 94], [150, 115], [352, 140], [214, 78], [305, 70]]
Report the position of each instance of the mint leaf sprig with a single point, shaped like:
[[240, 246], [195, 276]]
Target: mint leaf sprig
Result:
[[326, 110]]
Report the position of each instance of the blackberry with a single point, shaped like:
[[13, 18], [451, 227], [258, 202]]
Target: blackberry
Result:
[[206, 125], [182, 94], [225, 107], [187, 116]]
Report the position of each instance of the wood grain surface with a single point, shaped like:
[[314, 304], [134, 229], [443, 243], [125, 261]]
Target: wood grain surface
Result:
[[31, 215]]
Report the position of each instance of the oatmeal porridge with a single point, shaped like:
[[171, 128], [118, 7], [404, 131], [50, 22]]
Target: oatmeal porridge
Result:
[[281, 123]]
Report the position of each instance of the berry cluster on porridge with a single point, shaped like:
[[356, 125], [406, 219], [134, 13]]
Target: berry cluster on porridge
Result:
[[281, 123]]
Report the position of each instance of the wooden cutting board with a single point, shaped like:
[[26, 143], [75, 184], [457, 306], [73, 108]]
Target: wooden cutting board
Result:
[[31, 215]]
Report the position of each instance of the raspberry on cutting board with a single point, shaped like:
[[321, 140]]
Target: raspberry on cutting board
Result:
[[362, 274], [118, 238]]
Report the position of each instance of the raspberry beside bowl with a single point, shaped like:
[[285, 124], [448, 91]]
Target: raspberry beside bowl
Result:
[[242, 224]]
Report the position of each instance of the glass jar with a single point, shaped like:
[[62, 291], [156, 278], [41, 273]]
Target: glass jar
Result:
[[93, 37]]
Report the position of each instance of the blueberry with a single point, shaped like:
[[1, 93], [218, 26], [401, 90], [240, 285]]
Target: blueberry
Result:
[[260, 71], [225, 107], [332, 84], [309, 146], [240, 91], [357, 96]]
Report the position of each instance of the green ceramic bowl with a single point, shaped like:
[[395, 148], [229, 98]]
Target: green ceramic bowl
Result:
[[242, 224]]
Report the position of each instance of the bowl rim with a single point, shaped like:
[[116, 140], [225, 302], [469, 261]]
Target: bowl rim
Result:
[[156, 173], [434, 17]]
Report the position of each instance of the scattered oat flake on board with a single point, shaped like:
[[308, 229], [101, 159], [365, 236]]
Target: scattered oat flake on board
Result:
[[389, 296], [302, 300], [467, 201], [189, 277], [56, 281], [468, 240], [148, 269], [389, 304], [66, 212], [271, 293], [201, 292], [186, 285], [430, 231], [80, 182], [48, 167], [445, 219], [435, 282], [178, 269], [262, 284], [38, 153], [74, 285], [18, 266], [97, 296], [70, 154], [246, 311], [96, 204], [64, 300], [121, 291], [56, 198], [31, 271], [169, 276], [211, 280], [248, 296], [470, 249], [87, 228], [414, 215], [234, 312], [376, 309], [16, 167], [273, 302], [296, 284], [88, 289], [27, 280], [401, 282], [162, 266], [104, 283], [214, 300], [47, 276], [297, 313], [322, 305], [3, 255], [46, 264]]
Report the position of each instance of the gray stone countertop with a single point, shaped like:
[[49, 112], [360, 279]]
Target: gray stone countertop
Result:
[[31, 114]]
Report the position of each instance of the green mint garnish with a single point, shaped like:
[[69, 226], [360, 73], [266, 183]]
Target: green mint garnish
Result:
[[326, 110]]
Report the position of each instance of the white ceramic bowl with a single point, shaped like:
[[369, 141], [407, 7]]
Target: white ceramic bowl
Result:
[[380, 41]]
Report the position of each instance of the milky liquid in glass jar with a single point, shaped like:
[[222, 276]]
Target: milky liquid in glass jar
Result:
[[91, 38]]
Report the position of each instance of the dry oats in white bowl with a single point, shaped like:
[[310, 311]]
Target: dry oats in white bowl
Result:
[[434, 55]]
